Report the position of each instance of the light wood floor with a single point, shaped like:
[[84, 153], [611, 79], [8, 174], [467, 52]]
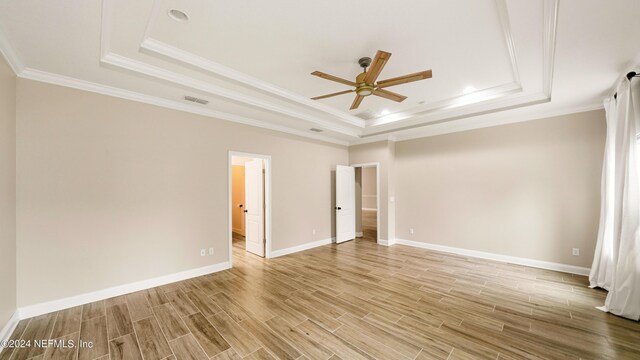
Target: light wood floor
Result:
[[369, 225], [356, 300]]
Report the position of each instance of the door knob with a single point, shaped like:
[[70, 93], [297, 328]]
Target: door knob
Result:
[[246, 211], [338, 208]]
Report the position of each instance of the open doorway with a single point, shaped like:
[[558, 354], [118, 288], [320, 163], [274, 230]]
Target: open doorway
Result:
[[249, 205], [367, 201], [357, 216]]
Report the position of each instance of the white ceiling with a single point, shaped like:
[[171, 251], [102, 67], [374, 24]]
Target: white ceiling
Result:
[[252, 59]]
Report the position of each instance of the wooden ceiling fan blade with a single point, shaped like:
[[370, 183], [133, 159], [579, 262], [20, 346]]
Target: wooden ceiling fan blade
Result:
[[356, 102], [330, 95], [422, 75], [376, 66], [333, 78], [389, 95]]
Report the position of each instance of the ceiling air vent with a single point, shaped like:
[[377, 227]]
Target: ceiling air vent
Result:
[[196, 100], [316, 130]]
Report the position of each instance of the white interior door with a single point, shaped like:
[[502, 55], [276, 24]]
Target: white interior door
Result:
[[345, 203], [254, 207]]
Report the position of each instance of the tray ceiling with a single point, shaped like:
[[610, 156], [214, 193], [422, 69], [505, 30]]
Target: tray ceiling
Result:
[[493, 61]]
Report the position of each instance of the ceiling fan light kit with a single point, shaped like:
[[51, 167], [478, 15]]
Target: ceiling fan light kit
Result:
[[366, 84]]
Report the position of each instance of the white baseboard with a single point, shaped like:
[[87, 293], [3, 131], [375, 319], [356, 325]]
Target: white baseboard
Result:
[[386, 242], [8, 329], [369, 209], [303, 247], [56, 305], [497, 257], [359, 234]]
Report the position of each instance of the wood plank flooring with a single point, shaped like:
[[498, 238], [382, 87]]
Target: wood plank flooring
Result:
[[369, 224], [356, 300]]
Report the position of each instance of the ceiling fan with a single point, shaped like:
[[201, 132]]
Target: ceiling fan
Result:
[[366, 84]]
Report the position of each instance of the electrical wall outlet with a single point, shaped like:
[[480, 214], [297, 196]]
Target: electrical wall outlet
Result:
[[203, 252], [210, 251], [411, 231], [576, 252]]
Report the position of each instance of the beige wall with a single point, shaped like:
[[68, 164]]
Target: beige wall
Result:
[[369, 188], [237, 198], [529, 190], [7, 192], [382, 152], [112, 191]]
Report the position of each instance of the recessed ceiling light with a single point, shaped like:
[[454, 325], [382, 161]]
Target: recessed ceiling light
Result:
[[179, 16], [384, 112], [469, 89]]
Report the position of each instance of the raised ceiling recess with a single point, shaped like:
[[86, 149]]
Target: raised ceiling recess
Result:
[[495, 61]]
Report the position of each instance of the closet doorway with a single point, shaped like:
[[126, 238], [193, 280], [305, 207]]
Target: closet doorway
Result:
[[367, 205], [357, 204], [249, 204], [367, 201]]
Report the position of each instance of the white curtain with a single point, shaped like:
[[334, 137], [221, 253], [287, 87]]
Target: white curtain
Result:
[[616, 264]]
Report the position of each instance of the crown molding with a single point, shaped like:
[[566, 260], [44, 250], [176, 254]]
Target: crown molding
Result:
[[551, 8], [421, 119], [500, 90], [438, 109], [120, 62], [151, 22], [470, 105], [501, 119], [10, 54], [488, 107], [159, 48], [498, 97], [124, 63], [61, 80], [106, 26], [503, 14]]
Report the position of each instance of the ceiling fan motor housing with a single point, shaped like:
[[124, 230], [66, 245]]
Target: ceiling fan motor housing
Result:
[[362, 88], [364, 62]]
